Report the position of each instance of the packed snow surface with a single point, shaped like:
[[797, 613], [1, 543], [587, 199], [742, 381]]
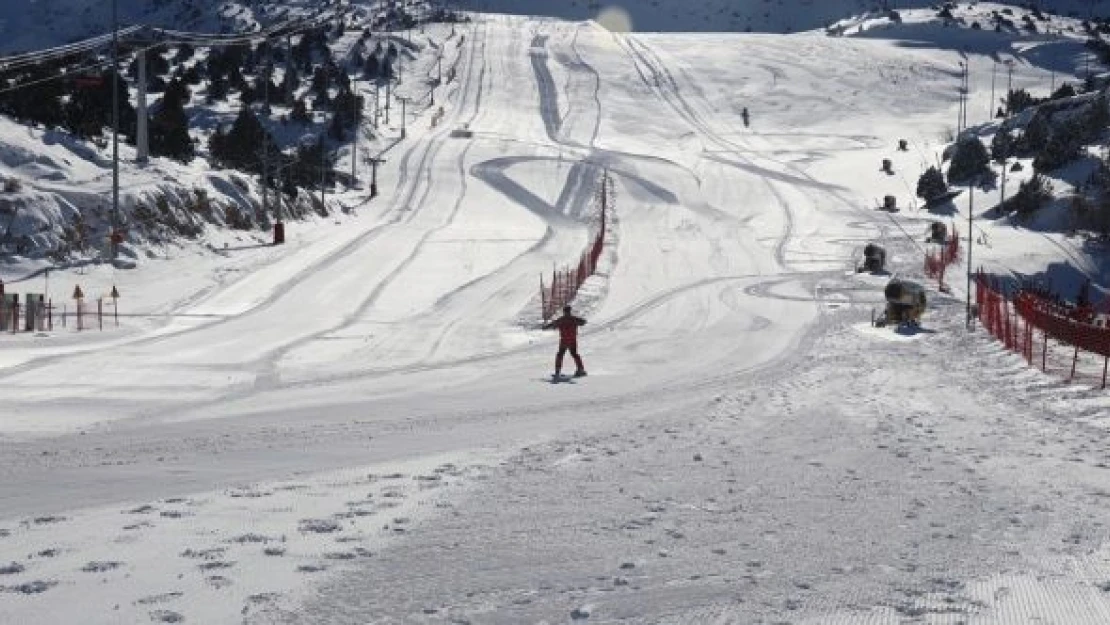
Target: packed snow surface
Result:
[[360, 426]]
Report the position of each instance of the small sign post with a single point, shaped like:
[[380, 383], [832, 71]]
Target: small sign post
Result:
[[79, 296], [115, 304]]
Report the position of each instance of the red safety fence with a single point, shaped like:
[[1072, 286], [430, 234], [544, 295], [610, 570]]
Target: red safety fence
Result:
[[1031, 312], [938, 260], [566, 281]]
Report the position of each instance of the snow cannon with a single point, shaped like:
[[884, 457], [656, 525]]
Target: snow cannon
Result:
[[905, 302], [938, 233], [874, 258]]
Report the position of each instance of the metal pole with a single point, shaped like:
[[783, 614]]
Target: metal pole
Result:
[[967, 90], [357, 115], [265, 151], [323, 174], [970, 241], [115, 128], [142, 142], [960, 105], [374, 176], [388, 95], [1009, 85], [994, 74], [404, 102], [1002, 201]]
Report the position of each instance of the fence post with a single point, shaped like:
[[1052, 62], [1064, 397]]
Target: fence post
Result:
[[1074, 361], [1044, 352], [1105, 364], [1028, 347], [100, 312]]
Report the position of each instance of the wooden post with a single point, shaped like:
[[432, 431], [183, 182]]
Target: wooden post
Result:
[[1044, 352], [1105, 364], [100, 312], [1028, 342], [50, 315]]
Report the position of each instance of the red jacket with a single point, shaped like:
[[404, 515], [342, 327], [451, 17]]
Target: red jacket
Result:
[[568, 328]]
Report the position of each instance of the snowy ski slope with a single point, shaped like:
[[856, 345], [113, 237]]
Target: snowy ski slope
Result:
[[358, 427]]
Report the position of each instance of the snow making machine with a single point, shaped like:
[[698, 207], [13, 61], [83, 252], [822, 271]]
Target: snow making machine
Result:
[[874, 259], [905, 303], [937, 233]]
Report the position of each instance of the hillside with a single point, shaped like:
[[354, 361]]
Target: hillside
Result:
[[773, 16]]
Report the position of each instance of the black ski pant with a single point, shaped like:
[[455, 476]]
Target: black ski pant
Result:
[[573, 349]]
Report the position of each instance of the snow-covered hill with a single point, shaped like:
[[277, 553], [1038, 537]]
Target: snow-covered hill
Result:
[[776, 16], [360, 426]]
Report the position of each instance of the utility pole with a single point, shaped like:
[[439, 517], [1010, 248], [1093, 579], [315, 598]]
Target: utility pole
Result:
[[994, 74], [404, 101], [265, 151], [966, 90], [1002, 200], [388, 95], [374, 174], [357, 115], [115, 129], [377, 106], [323, 174], [1009, 84], [970, 241], [142, 141], [289, 67], [960, 103]]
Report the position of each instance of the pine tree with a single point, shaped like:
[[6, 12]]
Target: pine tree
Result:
[[242, 146], [299, 113], [371, 69], [1063, 146], [969, 160], [1017, 100], [169, 128], [1032, 195], [89, 111], [1036, 133], [1002, 146], [290, 82], [1096, 118], [931, 184], [1063, 91]]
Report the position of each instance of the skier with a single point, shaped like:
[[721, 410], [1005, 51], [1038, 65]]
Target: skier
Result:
[[744, 114], [568, 340]]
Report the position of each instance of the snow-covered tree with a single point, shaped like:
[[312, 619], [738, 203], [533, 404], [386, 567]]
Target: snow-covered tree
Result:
[[931, 184], [970, 159]]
